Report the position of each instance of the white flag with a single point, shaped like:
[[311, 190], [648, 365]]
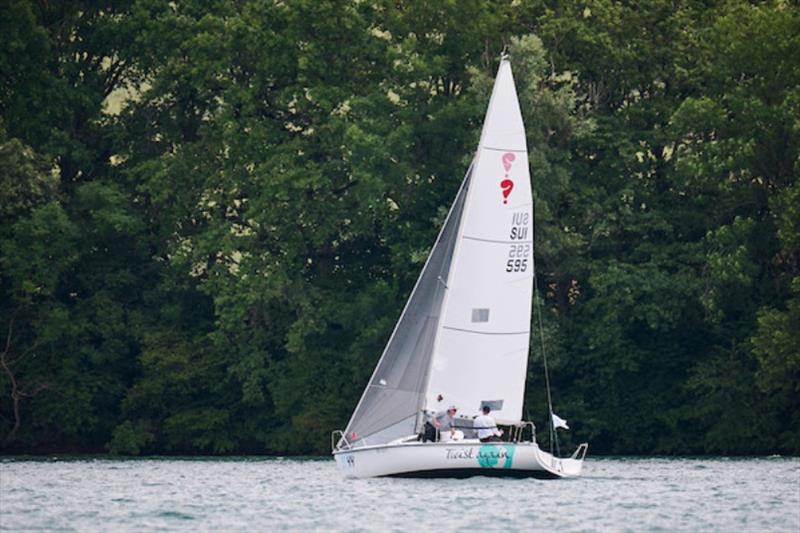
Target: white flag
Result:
[[559, 422]]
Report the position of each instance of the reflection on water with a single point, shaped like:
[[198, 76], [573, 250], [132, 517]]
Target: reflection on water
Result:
[[301, 494]]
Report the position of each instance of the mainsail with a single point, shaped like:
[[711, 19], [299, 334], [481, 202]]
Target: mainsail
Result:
[[463, 336]]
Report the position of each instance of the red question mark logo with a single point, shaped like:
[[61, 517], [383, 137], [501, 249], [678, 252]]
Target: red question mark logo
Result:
[[507, 185]]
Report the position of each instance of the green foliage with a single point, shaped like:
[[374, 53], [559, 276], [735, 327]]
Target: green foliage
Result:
[[212, 212], [777, 348], [130, 439]]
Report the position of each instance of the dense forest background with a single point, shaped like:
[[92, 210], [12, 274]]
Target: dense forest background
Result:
[[212, 212]]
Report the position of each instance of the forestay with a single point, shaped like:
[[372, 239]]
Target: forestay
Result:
[[481, 348]]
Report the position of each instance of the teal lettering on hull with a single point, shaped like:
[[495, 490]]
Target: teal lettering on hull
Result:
[[490, 455]]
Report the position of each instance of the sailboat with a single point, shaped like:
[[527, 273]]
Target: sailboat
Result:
[[463, 337]]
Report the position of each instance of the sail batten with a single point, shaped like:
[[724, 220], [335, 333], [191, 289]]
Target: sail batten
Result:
[[479, 332], [496, 241]]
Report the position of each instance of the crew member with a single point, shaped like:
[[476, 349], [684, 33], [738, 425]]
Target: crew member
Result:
[[441, 421], [487, 427]]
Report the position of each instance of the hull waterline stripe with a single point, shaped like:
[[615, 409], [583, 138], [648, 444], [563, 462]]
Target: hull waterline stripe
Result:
[[461, 473]]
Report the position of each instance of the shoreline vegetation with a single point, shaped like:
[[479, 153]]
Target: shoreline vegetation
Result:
[[212, 213]]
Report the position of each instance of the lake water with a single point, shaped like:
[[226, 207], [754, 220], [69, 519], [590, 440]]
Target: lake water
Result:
[[617, 494]]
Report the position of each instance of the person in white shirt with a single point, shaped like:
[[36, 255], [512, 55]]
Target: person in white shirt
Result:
[[487, 427]]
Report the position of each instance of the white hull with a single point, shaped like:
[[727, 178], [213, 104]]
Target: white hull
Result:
[[457, 459]]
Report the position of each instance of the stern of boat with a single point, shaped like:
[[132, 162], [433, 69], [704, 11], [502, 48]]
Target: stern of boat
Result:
[[563, 466]]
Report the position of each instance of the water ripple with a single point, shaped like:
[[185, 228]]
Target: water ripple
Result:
[[245, 494]]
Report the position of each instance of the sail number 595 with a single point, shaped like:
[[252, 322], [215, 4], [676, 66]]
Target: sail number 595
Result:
[[518, 258]]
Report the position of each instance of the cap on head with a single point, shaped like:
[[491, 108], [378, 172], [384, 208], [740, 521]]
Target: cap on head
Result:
[[486, 409], [452, 408]]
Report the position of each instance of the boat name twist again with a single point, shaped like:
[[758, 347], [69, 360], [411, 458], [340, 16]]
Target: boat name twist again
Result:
[[487, 456]]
